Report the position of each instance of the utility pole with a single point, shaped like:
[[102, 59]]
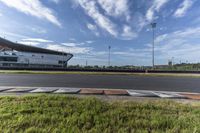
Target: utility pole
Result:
[[153, 25], [109, 47]]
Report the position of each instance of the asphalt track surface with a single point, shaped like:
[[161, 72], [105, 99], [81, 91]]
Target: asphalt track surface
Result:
[[182, 84]]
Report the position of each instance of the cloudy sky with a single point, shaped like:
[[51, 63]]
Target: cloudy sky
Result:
[[87, 27]]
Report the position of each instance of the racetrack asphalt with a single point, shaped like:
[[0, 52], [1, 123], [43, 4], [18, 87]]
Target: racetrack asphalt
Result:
[[157, 83]]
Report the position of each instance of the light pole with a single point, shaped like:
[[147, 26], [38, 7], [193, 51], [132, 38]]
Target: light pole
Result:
[[86, 63], [153, 25], [63, 59], [172, 61], [109, 47]]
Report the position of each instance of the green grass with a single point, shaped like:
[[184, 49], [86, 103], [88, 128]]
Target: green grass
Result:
[[60, 113]]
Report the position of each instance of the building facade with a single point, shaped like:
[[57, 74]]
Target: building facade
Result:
[[28, 56]]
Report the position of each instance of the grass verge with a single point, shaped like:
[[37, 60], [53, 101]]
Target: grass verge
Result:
[[101, 73], [60, 113]]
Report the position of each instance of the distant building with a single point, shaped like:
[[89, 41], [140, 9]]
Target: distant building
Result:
[[19, 55]]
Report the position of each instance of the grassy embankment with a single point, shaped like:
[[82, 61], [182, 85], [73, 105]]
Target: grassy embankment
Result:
[[100, 73], [59, 113]]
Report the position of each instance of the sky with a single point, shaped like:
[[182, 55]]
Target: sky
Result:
[[86, 28]]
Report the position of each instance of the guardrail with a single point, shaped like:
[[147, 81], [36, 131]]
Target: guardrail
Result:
[[98, 70]]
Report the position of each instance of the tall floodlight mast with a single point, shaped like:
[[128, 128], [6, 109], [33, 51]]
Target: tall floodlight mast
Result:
[[153, 25]]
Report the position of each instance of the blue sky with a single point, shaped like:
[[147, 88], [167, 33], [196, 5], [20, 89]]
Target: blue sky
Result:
[[87, 27]]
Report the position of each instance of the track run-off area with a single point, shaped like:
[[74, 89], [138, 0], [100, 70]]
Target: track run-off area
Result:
[[155, 82]]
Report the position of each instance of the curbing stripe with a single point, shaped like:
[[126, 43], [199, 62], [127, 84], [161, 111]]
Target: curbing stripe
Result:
[[44, 90], [90, 91], [95, 91], [67, 91], [2, 89], [137, 93], [168, 95], [115, 92], [20, 90], [191, 96]]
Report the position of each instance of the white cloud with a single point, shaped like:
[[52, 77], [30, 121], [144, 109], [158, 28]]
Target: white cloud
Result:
[[38, 30], [89, 41], [182, 44], [70, 47], [10, 34], [69, 44], [102, 12], [29, 43], [129, 56], [91, 8], [74, 50], [76, 43], [185, 34], [116, 8], [150, 14], [156, 6], [93, 28], [37, 40], [161, 38], [181, 11], [140, 54], [159, 3], [72, 39], [34, 8], [128, 34], [55, 1]]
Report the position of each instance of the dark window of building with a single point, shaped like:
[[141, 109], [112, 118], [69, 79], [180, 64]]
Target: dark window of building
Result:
[[62, 62], [9, 59]]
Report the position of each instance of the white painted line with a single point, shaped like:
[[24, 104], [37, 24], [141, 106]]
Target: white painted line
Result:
[[141, 93], [176, 92], [68, 90], [5, 88], [20, 90], [44, 90], [168, 95]]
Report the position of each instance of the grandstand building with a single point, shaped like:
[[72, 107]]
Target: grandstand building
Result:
[[20, 55]]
